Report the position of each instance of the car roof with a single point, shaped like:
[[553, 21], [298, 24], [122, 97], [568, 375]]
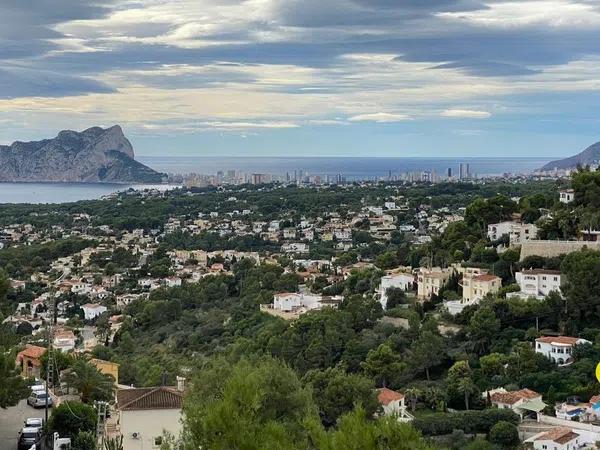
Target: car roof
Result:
[[33, 420], [29, 430]]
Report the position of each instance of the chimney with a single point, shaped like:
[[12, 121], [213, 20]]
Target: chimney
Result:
[[180, 383]]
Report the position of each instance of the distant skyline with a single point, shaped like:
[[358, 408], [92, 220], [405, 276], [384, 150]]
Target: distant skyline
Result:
[[292, 78]]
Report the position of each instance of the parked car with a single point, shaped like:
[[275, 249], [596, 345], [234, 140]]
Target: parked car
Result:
[[28, 438], [38, 387], [39, 399], [34, 422]]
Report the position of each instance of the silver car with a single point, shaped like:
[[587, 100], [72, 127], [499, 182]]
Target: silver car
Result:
[[39, 399]]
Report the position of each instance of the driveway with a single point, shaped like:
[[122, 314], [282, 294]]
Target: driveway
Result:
[[11, 422]]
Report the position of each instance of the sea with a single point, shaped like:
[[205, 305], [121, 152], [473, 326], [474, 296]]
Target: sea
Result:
[[352, 168]]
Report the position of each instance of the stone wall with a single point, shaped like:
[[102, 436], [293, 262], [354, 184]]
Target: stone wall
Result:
[[550, 249]]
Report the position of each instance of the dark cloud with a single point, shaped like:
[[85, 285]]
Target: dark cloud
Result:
[[26, 25], [18, 82]]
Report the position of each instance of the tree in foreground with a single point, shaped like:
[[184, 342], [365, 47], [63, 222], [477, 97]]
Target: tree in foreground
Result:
[[13, 387], [71, 418], [261, 404], [247, 405], [336, 392], [504, 434]]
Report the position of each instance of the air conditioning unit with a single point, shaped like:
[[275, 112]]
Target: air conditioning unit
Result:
[[135, 435]]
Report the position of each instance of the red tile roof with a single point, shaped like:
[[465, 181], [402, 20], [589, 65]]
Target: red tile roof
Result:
[[162, 397], [386, 396], [564, 340], [595, 399], [512, 397], [560, 435], [32, 351]]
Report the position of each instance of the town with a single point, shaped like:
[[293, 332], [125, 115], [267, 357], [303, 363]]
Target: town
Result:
[[465, 310]]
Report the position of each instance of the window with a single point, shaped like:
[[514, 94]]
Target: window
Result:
[[158, 441]]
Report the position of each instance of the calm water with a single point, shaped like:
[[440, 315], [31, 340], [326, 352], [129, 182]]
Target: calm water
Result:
[[352, 168], [59, 192]]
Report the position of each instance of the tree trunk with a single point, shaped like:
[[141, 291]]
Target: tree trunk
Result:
[[427, 373], [467, 400]]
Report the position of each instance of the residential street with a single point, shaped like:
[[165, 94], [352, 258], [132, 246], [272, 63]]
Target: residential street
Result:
[[11, 422]]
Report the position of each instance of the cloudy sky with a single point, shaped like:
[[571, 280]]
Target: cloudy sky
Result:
[[306, 77]]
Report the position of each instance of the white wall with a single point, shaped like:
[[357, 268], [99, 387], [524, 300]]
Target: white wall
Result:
[[149, 425]]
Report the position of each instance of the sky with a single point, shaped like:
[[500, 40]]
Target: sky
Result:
[[413, 78]]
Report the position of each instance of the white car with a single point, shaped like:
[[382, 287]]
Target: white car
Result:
[[34, 422], [39, 399], [38, 388]]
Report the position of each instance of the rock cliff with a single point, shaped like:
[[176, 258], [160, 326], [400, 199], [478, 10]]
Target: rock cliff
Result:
[[95, 155]]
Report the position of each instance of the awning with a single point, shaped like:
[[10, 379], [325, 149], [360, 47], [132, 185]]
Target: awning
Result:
[[535, 405]]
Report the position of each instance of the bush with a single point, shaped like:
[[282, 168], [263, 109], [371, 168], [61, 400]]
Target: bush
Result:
[[84, 440], [504, 434], [71, 418], [470, 422]]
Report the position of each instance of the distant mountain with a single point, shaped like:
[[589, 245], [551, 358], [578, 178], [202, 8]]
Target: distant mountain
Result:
[[95, 155], [590, 155]]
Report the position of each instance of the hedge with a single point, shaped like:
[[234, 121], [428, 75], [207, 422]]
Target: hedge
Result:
[[470, 422]]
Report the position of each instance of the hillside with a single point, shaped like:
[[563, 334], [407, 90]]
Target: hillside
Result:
[[590, 155]]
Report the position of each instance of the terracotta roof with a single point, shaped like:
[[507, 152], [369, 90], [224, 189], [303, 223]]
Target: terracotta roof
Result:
[[32, 351], [560, 435], [595, 399], [563, 340], [512, 397], [486, 277], [386, 396], [92, 305], [162, 397], [541, 272]]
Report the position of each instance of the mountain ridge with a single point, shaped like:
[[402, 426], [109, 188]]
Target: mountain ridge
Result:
[[590, 155], [95, 155]]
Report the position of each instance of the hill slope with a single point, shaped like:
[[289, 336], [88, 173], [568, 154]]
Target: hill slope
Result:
[[94, 155], [590, 155]]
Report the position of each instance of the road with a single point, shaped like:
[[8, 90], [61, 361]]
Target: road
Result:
[[11, 422]]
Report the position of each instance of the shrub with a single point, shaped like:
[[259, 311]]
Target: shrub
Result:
[[470, 422]]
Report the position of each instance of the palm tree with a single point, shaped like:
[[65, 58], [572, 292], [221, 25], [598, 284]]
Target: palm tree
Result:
[[467, 388], [413, 395], [89, 381], [114, 443]]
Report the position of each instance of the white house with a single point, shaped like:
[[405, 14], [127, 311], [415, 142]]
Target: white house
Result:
[[64, 340], [294, 247], [518, 233], [402, 281], [560, 438], [392, 403], [92, 310], [146, 413], [522, 402], [497, 230], [290, 305], [522, 232], [537, 283], [172, 282], [559, 349], [567, 195]]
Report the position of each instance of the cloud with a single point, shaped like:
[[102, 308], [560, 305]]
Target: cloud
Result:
[[380, 117], [18, 82], [515, 14], [466, 113]]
